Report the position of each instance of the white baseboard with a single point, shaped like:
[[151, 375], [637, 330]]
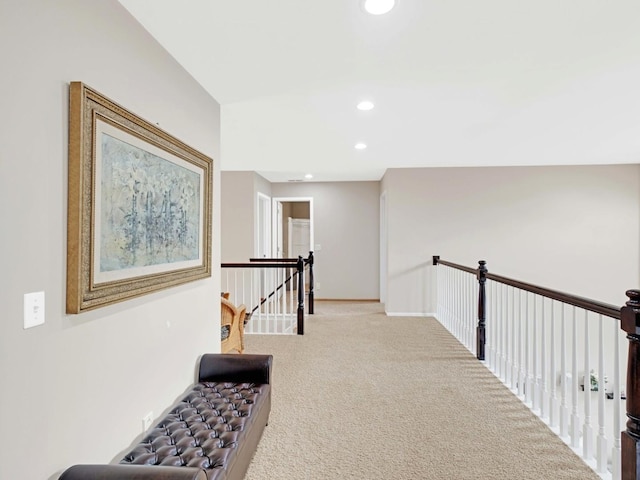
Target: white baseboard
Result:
[[411, 314]]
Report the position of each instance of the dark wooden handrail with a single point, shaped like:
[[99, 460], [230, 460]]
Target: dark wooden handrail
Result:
[[457, 266], [629, 317], [585, 303], [282, 260], [307, 261], [256, 265], [581, 302]]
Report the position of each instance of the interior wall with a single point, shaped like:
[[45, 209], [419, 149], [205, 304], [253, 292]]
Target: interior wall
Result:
[[346, 236], [575, 229], [238, 216], [75, 389], [261, 185]]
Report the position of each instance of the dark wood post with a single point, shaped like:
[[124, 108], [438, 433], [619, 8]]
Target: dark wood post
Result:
[[630, 323], [310, 262], [300, 268], [436, 258], [482, 306]]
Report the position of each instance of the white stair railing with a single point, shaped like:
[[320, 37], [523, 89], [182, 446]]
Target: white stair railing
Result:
[[272, 292], [558, 353]]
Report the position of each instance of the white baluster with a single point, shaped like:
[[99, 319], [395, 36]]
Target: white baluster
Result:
[[575, 419], [534, 360], [522, 350], [447, 298], [442, 293], [497, 332], [528, 390], [553, 393], [272, 318], [473, 318], [503, 331], [587, 430], [490, 329], [293, 303], [602, 438], [467, 312], [465, 308], [507, 293], [616, 466], [438, 294], [564, 407], [248, 303], [451, 299], [543, 391], [456, 305], [459, 305], [473, 315], [515, 350]]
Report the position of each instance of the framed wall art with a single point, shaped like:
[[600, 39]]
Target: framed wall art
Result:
[[139, 205]]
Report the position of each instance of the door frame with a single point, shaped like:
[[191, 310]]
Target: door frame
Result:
[[263, 223], [277, 240], [383, 247]]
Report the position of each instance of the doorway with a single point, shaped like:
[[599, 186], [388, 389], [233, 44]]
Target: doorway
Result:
[[292, 227]]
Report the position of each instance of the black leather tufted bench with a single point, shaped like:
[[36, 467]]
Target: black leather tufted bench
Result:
[[210, 433]]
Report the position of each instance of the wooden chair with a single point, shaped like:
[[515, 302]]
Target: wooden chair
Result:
[[232, 326]]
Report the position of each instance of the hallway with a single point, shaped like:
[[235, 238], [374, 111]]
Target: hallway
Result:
[[366, 396]]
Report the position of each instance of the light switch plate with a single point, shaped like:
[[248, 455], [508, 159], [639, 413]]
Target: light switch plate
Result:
[[33, 309]]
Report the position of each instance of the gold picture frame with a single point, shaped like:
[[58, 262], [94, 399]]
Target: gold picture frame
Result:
[[139, 205]]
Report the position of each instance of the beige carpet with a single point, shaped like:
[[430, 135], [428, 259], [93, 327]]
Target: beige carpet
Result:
[[365, 396]]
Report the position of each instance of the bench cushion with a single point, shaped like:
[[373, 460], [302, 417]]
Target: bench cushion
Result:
[[208, 429]]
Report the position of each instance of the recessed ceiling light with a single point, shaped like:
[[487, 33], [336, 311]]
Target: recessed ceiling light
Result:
[[365, 105], [378, 7], [308, 176], [360, 146]]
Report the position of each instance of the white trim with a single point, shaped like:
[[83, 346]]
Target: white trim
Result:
[[260, 219], [383, 248], [276, 200], [412, 314]]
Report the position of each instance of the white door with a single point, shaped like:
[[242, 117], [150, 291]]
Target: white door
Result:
[[299, 237], [263, 227], [277, 223]]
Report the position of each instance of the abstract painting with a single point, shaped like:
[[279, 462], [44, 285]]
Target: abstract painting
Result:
[[139, 205]]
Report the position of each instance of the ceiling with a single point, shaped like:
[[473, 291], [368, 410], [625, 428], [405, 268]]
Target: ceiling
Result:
[[454, 82]]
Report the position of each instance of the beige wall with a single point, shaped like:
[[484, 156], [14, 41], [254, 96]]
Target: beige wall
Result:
[[237, 227], [75, 389], [239, 203], [575, 229], [346, 219]]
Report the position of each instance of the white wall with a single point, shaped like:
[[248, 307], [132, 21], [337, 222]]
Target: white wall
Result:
[[576, 229], [75, 389], [346, 219]]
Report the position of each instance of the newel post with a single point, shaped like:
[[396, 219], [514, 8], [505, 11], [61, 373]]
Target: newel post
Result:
[[311, 294], [300, 269], [630, 323], [482, 306]]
